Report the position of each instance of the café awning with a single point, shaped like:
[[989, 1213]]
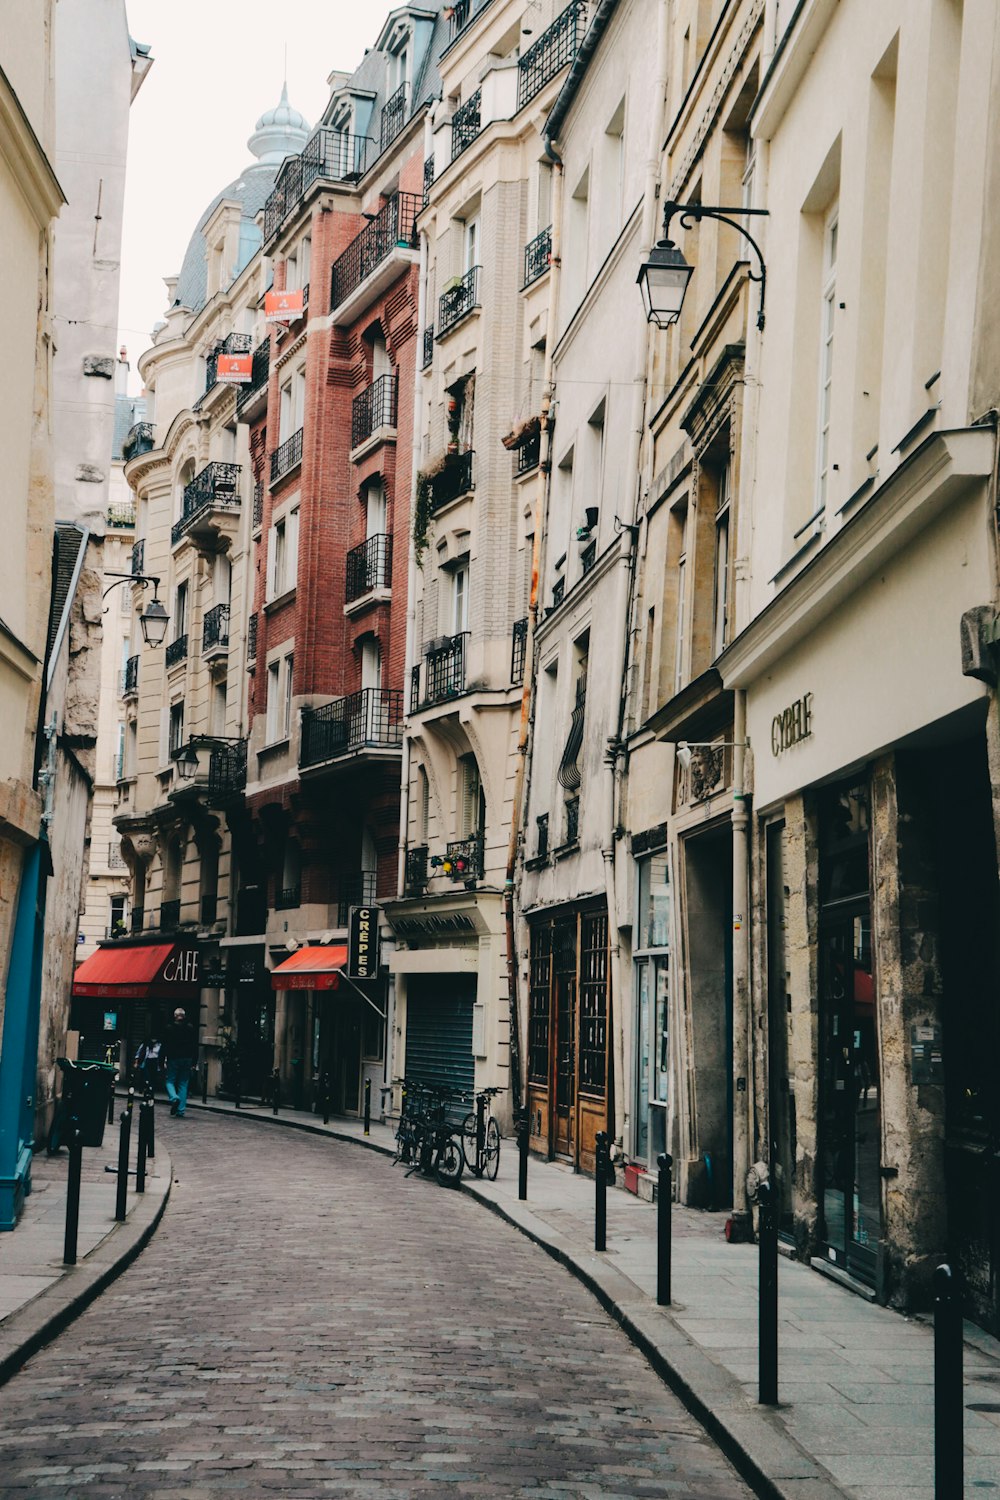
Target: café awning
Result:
[[311, 968], [149, 971]]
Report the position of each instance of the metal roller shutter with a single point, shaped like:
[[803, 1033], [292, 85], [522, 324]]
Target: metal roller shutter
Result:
[[439, 1030]]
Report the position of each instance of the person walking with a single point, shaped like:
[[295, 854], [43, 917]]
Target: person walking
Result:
[[147, 1061], [180, 1048]]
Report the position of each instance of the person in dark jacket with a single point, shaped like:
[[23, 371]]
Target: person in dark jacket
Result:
[[180, 1048]]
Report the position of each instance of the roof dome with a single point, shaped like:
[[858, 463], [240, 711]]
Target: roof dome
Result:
[[280, 132]]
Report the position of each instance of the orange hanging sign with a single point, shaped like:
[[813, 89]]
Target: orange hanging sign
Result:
[[283, 307], [234, 369]]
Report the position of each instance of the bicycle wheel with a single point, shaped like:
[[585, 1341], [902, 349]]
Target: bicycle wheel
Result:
[[469, 1140], [492, 1151], [450, 1161]]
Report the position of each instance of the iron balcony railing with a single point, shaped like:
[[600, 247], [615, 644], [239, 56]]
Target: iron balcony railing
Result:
[[466, 124], [116, 860], [130, 677], [415, 688], [428, 180], [461, 15], [529, 453], [393, 226], [355, 890], [416, 870], [588, 556], [537, 256], [121, 517], [374, 408], [333, 154], [258, 504], [371, 717], [252, 638], [542, 836], [456, 478], [217, 487], [572, 819], [139, 439], [227, 770], [215, 628], [138, 557], [457, 301], [288, 898], [555, 47], [444, 669], [259, 370], [176, 651], [518, 647], [170, 914], [284, 459], [558, 592], [466, 858], [369, 567], [393, 117], [428, 358], [234, 343]]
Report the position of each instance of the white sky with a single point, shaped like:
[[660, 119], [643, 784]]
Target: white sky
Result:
[[218, 65]]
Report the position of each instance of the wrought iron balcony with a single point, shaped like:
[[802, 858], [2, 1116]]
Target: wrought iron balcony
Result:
[[465, 124], [116, 860], [374, 408], [415, 688], [572, 819], [457, 301], [461, 15], [465, 856], [331, 154], [456, 478], [288, 898], [121, 517], [444, 670], [258, 504], [139, 439], [252, 638], [416, 870], [176, 651], [215, 488], [130, 678], [394, 226], [393, 117], [371, 718], [138, 557], [227, 770], [355, 890], [537, 256], [215, 629], [554, 49], [529, 453], [285, 458], [234, 343], [259, 371], [428, 357], [518, 647], [369, 567], [428, 180], [170, 915]]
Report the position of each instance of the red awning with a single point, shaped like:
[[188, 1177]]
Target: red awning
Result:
[[154, 971], [310, 969]]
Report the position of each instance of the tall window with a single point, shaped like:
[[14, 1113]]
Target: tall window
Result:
[[175, 737], [282, 556], [828, 316], [371, 664], [279, 698], [375, 509], [680, 637], [460, 599], [720, 601], [471, 243], [180, 611]]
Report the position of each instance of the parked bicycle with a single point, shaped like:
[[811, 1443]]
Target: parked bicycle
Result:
[[426, 1139], [481, 1136]]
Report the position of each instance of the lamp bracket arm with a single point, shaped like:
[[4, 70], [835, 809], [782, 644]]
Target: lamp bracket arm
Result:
[[143, 579], [692, 213]]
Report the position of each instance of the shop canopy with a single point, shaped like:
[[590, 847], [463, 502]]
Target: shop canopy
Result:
[[311, 969], [150, 971]]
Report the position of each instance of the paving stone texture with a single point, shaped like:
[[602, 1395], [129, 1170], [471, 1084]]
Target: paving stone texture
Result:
[[308, 1322]]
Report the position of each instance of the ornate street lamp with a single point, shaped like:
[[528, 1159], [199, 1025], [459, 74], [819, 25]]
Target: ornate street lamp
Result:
[[154, 619], [664, 275]]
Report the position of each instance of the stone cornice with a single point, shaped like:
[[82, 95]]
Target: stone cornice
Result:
[[32, 169]]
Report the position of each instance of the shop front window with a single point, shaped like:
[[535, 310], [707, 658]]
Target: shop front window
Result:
[[652, 1065]]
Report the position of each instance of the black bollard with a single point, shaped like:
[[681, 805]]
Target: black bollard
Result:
[[140, 1161], [480, 1134], [236, 1082], [523, 1132], [664, 1195], [204, 1081], [767, 1298], [368, 1106], [73, 1193], [325, 1092], [111, 1099], [124, 1135], [949, 1417], [601, 1191], [151, 1123], [275, 1091]]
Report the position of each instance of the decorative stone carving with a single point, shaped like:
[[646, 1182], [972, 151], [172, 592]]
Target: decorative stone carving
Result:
[[102, 365], [706, 771]]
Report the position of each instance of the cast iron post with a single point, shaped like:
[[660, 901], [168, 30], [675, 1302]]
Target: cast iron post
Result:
[[480, 1133], [325, 1095], [949, 1458], [124, 1136], [767, 1293], [140, 1161], [522, 1155], [275, 1091], [601, 1191], [151, 1123], [664, 1195], [368, 1106], [73, 1193]]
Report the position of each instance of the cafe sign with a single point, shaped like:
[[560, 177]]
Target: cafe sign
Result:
[[792, 725]]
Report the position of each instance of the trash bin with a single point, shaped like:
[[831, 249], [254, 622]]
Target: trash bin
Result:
[[86, 1089]]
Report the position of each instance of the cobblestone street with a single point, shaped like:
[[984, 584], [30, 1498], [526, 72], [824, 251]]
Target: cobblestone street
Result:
[[308, 1321]]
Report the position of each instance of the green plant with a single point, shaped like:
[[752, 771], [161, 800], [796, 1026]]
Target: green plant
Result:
[[421, 517]]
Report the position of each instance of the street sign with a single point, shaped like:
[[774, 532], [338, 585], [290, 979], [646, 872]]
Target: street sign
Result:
[[363, 942]]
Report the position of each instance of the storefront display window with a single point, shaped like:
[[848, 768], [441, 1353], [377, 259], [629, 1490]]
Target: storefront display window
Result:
[[652, 1018]]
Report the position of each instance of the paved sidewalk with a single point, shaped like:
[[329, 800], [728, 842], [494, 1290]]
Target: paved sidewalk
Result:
[[856, 1413], [39, 1295]]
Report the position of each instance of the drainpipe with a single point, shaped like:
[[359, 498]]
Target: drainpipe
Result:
[[742, 1092]]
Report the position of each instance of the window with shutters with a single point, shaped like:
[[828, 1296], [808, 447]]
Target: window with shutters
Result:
[[593, 1003], [472, 807], [539, 982], [175, 736]]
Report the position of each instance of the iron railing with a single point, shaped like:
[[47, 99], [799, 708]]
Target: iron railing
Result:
[[415, 688], [170, 914], [376, 407], [215, 488], [130, 677], [555, 47], [334, 154], [252, 638], [466, 858], [394, 225], [116, 860], [572, 819], [393, 117], [428, 180], [177, 650], [121, 516], [234, 343], [537, 256], [284, 459], [542, 836], [369, 566], [456, 478], [288, 897], [518, 647], [227, 770], [457, 301], [138, 439], [444, 669], [529, 453], [373, 716], [466, 124], [215, 628], [558, 592], [461, 15], [428, 358], [355, 890], [416, 870], [588, 556], [138, 557], [258, 504], [259, 370]]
